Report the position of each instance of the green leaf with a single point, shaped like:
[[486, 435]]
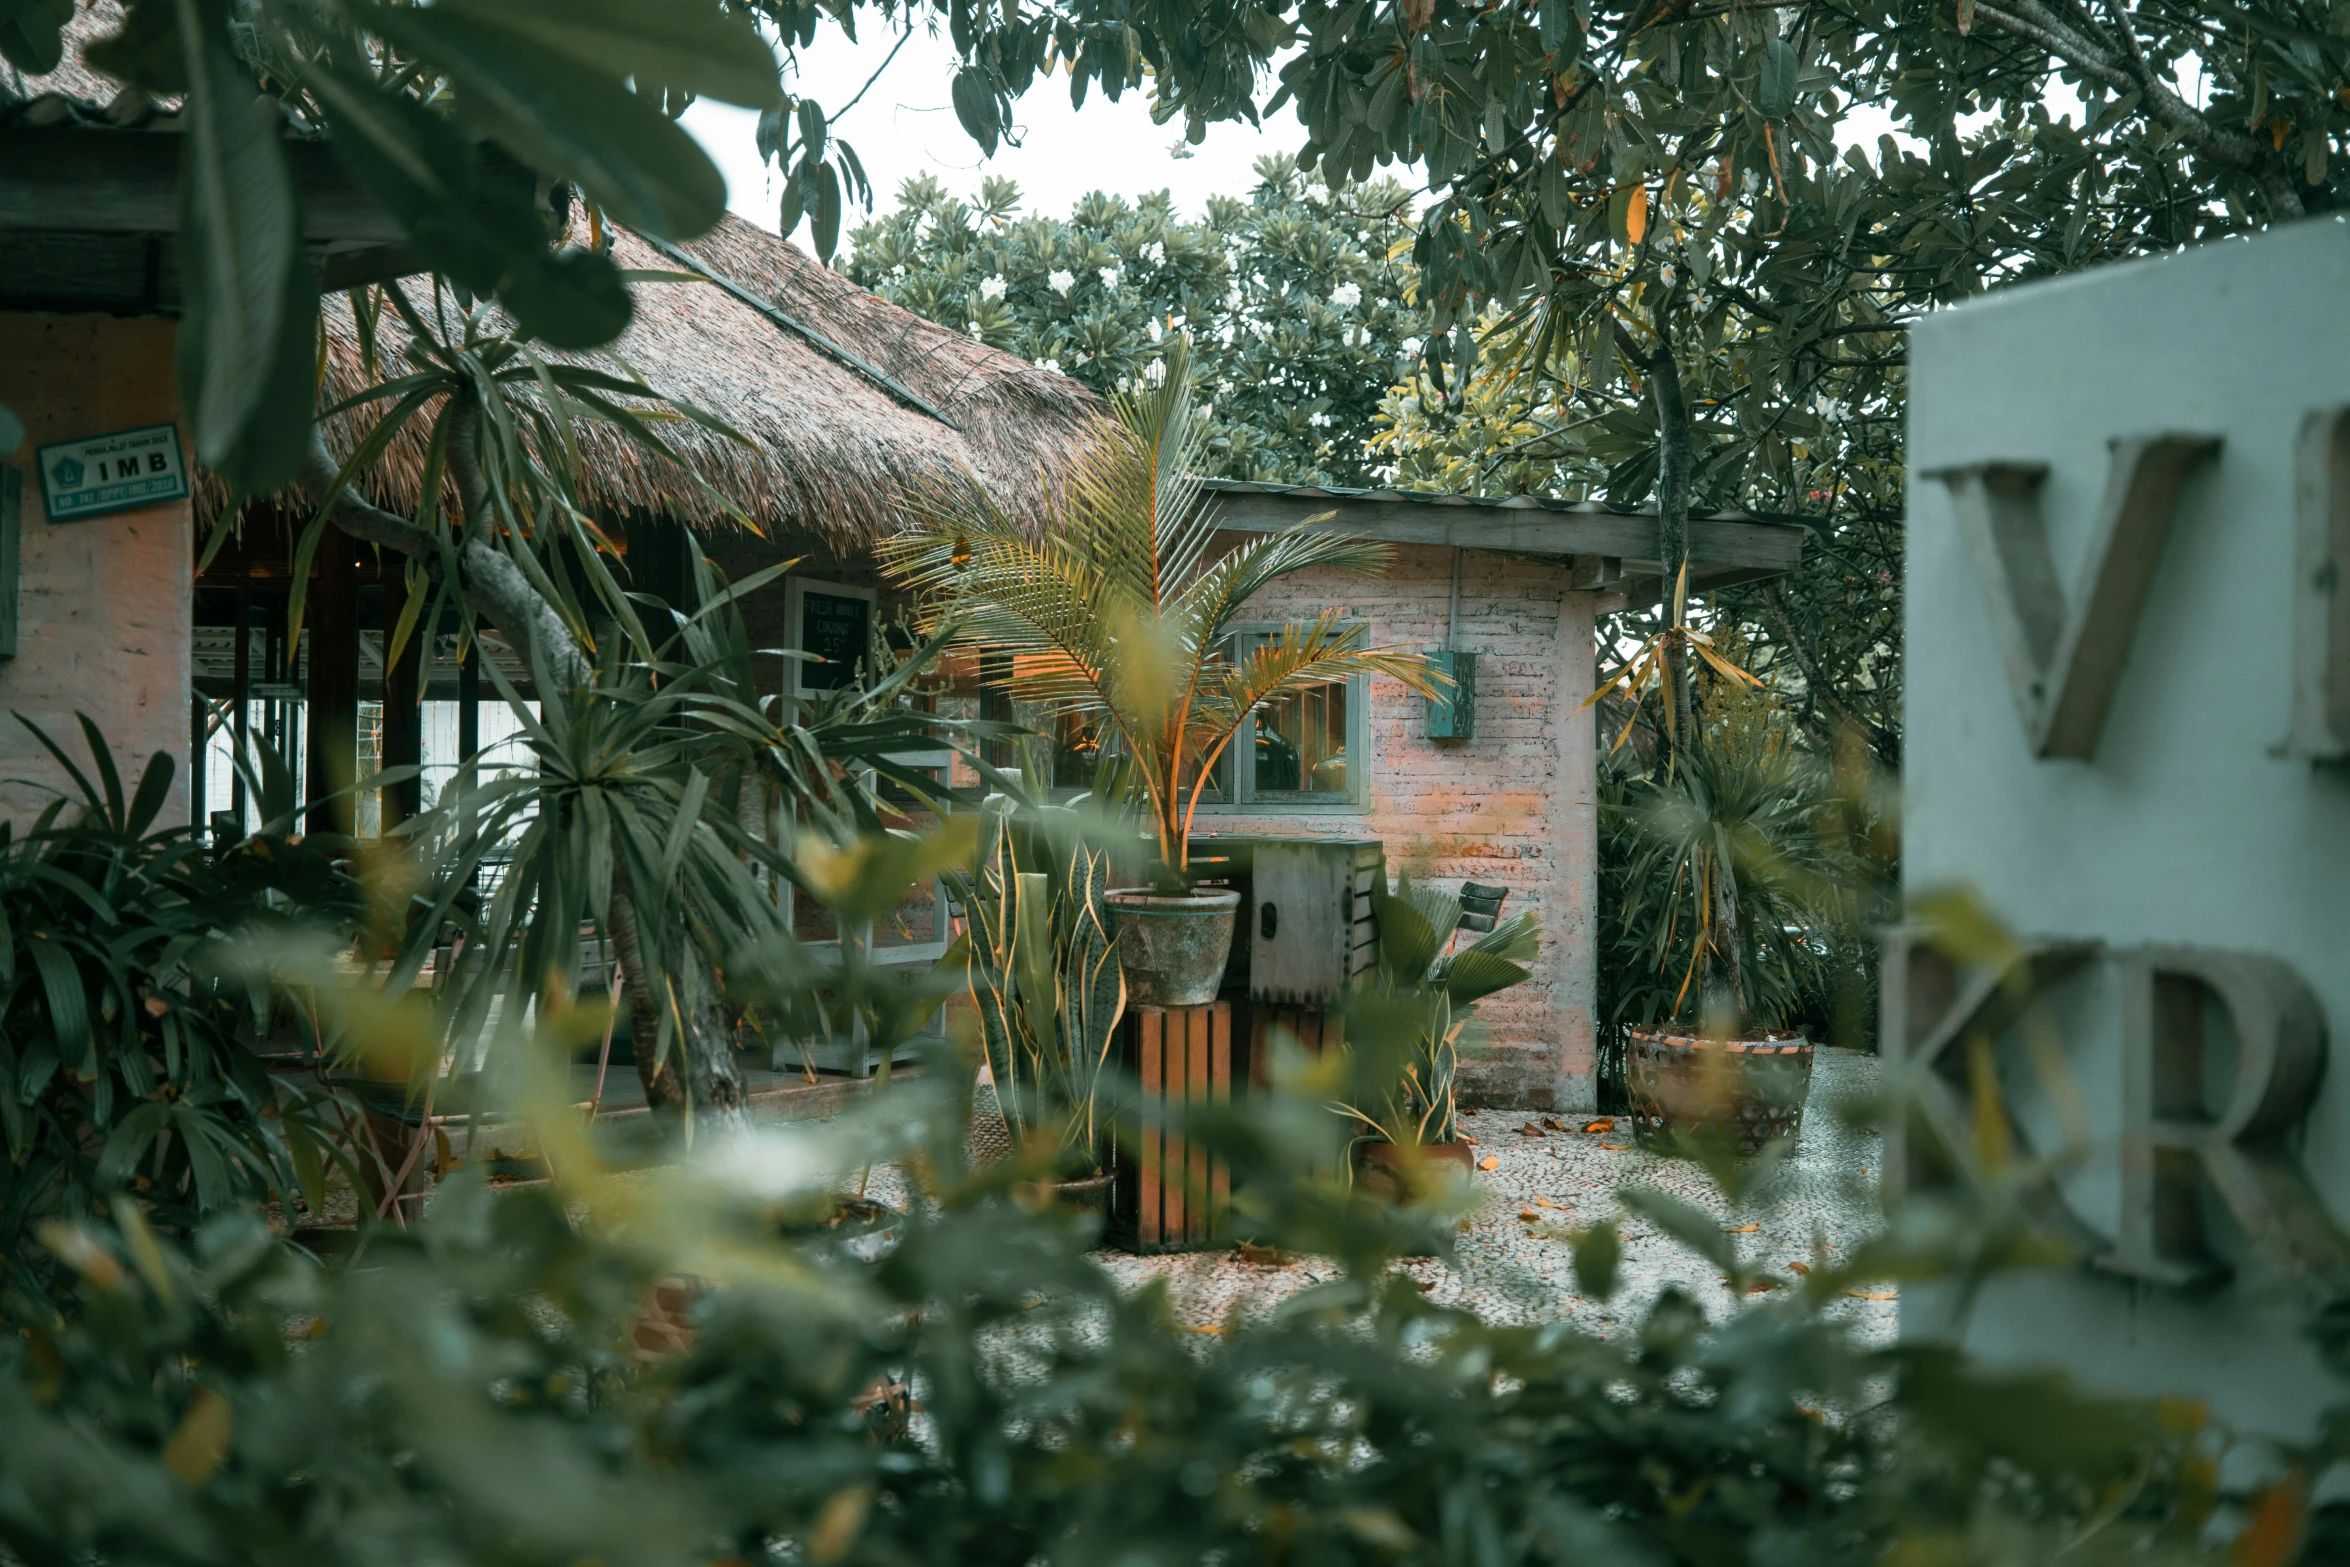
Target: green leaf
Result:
[[689, 45], [462, 218], [1779, 71], [975, 106], [827, 230], [572, 298], [240, 260], [1693, 1227], [1598, 1251], [788, 216], [61, 986], [1556, 19], [32, 34], [621, 150], [154, 787]]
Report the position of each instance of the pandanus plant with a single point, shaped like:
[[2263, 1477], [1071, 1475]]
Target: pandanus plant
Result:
[[1120, 611]]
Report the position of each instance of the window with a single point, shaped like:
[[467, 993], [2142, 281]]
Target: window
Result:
[[834, 622], [1306, 751], [916, 930]]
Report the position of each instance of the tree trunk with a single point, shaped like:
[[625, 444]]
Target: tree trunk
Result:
[[1672, 522], [699, 1077], [709, 1089], [664, 1090], [1725, 977]]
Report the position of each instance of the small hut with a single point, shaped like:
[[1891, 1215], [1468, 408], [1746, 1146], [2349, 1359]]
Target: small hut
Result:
[[844, 404]]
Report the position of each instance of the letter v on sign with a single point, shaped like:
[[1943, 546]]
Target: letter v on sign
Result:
[[2065, 656]]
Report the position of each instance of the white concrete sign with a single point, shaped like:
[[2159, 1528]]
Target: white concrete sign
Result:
[[98, 474], [2128, 702]]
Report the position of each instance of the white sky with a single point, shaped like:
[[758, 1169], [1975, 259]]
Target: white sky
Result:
[[905, 126]]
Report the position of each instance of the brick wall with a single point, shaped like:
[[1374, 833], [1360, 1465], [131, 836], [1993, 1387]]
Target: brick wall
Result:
[[1512, 806], [104, 609]]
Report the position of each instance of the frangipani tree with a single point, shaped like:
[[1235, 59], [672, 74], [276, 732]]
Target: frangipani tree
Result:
[[1122, 612]]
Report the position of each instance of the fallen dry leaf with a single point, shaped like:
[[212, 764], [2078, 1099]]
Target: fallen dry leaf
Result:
[[1528, 1214], [1466, 1138], [1606, 1123], [1544, 1202], [1615, 1147], [1263, 1256], [1740, 1229], [1760, 1286], [1551, 1123], [1489, 1162], [1529, 1130], [1871, 1294], [1192, 1327], [1799, 1267]]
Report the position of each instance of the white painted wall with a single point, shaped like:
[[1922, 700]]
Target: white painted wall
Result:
[[2189, 825]]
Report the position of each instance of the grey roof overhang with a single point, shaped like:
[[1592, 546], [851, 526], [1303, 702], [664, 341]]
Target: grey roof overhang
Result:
[[1613, 549]]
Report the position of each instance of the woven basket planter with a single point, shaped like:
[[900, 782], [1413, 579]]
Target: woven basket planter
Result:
[[1747, 1093]]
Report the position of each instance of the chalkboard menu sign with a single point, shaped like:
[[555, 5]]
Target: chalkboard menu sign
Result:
[[836, 627]]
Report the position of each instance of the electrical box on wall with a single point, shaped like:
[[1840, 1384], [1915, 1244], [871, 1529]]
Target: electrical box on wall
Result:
[[1452, 711]]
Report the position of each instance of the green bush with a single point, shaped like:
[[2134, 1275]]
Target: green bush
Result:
[[128, 1028], [1808, 845], [963, 1383]]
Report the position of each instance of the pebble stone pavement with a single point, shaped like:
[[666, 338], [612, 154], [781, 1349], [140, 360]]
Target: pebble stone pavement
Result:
[[1512, 1270]]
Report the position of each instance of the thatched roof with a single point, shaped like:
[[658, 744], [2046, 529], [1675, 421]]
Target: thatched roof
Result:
[[834, 448]]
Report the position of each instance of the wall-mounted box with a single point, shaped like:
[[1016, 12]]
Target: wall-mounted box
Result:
[[1452, 711]]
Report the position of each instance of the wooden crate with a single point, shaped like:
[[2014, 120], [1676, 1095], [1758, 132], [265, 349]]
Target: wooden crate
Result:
[[1314, 1028], [1306, 927], [1169, 1196]]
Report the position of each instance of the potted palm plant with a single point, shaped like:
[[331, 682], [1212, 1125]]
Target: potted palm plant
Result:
[[1720, 883], [1121, 614]]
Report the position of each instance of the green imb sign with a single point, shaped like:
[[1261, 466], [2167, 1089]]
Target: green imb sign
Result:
[[98, 474]]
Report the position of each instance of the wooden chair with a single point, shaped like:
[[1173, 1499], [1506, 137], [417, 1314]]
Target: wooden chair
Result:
[[1480, 909]]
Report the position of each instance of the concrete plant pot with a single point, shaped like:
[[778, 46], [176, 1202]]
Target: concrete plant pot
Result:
[[1173, 946], [1747, 1093]]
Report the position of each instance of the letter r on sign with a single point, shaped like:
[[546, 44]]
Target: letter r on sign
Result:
[[2190, 1117]]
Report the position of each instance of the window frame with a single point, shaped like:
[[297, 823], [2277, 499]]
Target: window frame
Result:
[[1245, 800]]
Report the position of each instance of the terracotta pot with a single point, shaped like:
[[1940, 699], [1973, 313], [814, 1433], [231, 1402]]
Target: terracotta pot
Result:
[[1382, 1163], [1173, 946], [1746, 1092]]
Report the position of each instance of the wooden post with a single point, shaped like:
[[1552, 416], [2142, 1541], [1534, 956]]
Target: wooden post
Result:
[[403, 720], [242, 666], [1169, 1194], [469, 731], [333, 620]]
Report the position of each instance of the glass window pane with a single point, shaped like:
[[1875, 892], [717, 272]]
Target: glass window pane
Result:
[[1077, 751], [1301, 743]]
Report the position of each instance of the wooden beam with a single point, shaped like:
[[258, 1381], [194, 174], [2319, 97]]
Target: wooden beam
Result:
[[69, 179], [1714, 542], [331, 616]]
